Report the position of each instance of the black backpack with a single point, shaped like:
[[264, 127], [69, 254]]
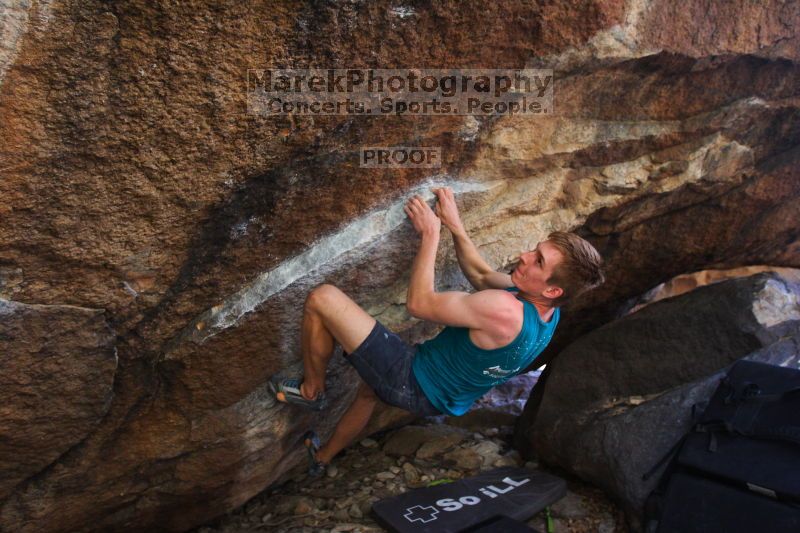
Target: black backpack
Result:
[[738, 469]]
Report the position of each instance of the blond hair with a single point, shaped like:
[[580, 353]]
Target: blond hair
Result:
[[579, 271]]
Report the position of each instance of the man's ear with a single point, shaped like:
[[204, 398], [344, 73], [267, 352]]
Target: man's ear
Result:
[[553, 292]]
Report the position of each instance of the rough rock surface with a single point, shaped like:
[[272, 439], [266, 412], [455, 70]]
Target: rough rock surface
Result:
[[58, 365], [619, 397], [134, 181]]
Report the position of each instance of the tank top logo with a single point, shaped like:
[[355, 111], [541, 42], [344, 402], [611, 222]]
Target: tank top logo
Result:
[[498, 372]]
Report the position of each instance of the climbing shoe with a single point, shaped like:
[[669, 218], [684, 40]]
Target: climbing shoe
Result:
[[288, 390], [311, 442]]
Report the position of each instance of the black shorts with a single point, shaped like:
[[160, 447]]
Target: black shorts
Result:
[[384, 362]]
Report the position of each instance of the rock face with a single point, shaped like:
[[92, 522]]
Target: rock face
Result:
[[619, 397], [134, 181], [58, 370]]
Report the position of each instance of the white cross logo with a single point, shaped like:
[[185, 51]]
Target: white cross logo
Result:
[[418, 513]]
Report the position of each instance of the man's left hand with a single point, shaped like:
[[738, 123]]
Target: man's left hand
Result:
[[422, 216]]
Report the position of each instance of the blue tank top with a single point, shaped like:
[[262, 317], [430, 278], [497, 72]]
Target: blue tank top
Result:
[[453, 372]]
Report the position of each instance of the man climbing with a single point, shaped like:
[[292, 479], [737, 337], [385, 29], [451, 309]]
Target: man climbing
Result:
[[490, 335]]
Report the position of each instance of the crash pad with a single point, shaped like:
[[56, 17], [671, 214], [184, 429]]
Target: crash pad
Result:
[[516, 493]]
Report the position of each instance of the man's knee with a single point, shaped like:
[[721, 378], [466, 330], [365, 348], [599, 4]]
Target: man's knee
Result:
[[321, 296]]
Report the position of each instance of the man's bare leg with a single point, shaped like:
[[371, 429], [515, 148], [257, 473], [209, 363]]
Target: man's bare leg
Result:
[[351, 423], [329, 316], [317, 345]]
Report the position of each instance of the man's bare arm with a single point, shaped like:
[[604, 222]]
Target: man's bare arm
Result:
[[474, 267], [490, 311]]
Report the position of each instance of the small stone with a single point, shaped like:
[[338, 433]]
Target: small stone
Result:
[[504, 461], [488, 451], [341, 515], [464, 458], [304, 506], [491, 432], [487, 447], [532, 465], [410, 473], [570, 506], [342, 504], [439, 445], [355, 511], [332, 471], [394, 470], [369, 443], [384, 476], [266, 518], [514, 454], [366, 505], [286, 504], [406, 440], [344, 528], [453, 474], [378, 484]]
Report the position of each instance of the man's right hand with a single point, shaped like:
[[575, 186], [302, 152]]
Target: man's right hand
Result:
[[475, 269], [447, 210]]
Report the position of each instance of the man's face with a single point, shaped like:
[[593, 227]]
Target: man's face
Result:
[[535, 268]]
